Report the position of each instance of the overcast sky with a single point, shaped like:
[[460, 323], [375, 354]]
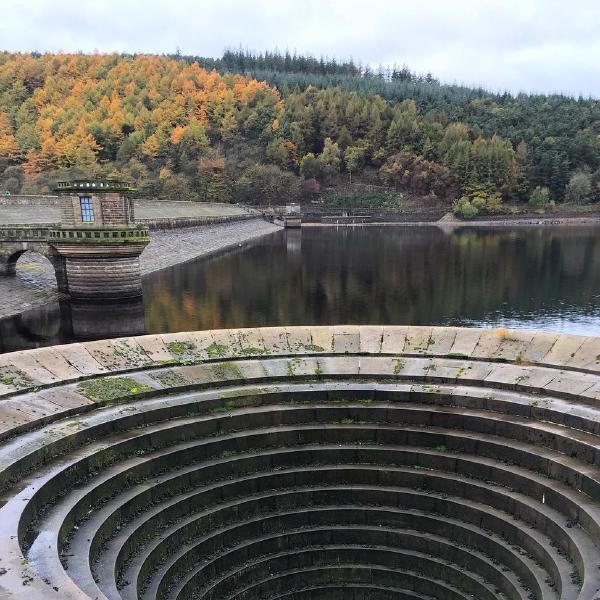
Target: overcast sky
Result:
[[519, 45]]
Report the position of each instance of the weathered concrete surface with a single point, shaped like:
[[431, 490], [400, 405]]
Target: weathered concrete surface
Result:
[[42, 209], [283, 462], [35, 282], [168, 248], [155, 210], [569, 359]]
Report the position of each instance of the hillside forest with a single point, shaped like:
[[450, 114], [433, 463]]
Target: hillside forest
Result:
[[273, 128]]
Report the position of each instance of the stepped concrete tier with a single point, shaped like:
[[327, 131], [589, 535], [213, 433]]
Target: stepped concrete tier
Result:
[[349, 462]]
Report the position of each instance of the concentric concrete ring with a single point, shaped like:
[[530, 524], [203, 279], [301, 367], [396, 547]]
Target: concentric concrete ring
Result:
[[358, 462]]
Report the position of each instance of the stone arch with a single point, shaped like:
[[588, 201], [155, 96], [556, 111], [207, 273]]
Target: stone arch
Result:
[[30, 262], [10, 262], [11, 253]]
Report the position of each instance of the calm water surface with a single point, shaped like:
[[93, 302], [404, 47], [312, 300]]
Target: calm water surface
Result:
[[546, 278]]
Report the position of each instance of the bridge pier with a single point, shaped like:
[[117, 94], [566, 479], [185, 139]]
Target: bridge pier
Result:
[[60, 271], [7, 267], [101, 272]]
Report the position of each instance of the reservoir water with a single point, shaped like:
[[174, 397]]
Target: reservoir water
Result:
[[544, 278]]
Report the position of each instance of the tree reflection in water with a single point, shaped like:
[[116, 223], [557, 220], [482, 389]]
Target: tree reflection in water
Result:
[[546, 278]]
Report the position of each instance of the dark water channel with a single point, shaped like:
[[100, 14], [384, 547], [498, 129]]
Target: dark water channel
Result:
[[544, 278]]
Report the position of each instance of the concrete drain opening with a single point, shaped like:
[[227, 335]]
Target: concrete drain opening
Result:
[[303, 463]]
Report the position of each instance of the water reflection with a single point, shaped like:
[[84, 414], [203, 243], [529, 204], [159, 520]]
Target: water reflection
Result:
[[547, 278], [64, 321], [543, 278], [90, 321]]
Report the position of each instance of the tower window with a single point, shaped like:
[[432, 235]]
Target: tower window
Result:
[[87, 209]]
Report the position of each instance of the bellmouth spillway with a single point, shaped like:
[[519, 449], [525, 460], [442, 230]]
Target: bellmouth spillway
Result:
[[343, 462]]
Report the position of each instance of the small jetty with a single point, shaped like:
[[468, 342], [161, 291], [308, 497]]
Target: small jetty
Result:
[[290, 217]]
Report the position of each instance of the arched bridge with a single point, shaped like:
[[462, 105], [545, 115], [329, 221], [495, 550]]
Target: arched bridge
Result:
[[94, 249]]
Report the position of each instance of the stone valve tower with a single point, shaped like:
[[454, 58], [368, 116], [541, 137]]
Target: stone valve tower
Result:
[[97, 245]]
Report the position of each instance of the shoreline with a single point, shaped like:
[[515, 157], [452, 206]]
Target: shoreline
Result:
[[454, 223], [34, 285]]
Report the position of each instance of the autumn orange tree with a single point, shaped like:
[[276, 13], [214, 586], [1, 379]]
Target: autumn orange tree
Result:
[[180, 131]]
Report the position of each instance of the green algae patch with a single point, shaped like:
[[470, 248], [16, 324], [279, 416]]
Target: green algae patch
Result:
[[15, 378], [245, 392], [216, 350], [132, 354], [227, 370], [106, 389], [170, 378], [167, 363], [400, 364], [229, 453], [313, 348], [185, 353], [226, 407], [180, 349], [252, 350]]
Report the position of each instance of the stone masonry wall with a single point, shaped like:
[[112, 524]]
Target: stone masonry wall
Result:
[[67, 210], [110, 210], [104, 277], [113, 208]]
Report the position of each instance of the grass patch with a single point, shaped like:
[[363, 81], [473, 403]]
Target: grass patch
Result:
[[292, 365]]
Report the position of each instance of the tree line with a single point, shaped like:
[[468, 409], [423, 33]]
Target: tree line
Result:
[[272, 127]]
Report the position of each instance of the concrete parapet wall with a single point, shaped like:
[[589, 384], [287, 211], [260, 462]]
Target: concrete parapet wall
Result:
[[29, 200], [181, 222], [524, 349]]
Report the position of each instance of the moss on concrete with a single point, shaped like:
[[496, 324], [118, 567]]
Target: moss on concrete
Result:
[[106, 389], [180, 349], [216, 350], [15, 377], [170, 378], [313, 348]]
